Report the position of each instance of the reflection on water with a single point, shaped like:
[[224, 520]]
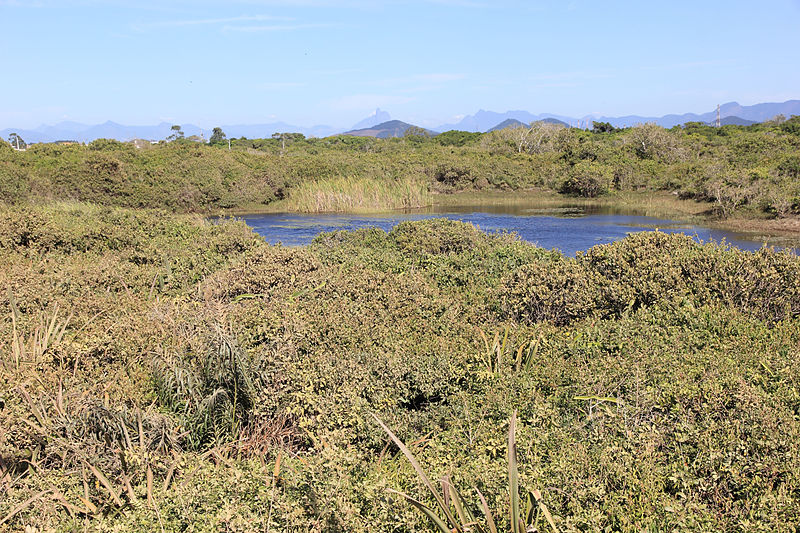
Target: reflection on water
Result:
[[567, 228]]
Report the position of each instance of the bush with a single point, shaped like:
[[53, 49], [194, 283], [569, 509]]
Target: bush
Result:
[[651, 269], [587, 179], [558, 292], [437, 236], [265, 272]]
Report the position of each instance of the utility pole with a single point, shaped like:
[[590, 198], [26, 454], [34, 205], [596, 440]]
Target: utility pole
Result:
[[718, 120]]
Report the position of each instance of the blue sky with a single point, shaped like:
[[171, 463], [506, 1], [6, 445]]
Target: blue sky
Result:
[[333, 62]]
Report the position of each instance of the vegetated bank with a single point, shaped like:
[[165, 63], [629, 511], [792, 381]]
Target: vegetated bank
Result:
[[163, 372], [738, 172]]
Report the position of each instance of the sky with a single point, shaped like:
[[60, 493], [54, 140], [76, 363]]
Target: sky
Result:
[[427, 62]]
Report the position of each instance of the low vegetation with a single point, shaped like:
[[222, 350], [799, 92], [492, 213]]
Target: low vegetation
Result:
[[160, 371]]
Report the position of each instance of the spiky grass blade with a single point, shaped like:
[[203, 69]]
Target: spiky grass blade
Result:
[[545, 511], [468, 519], [487, 513], [106, 483], [24, 505], [513, 475], [427, 511], [411, 459]]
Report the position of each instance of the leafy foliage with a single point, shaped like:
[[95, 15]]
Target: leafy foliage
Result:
[[196, 375]]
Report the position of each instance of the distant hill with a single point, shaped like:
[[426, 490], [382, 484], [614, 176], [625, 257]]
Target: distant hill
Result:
[[735, 121], [485, 120], [391, 128], [375, 125], [508, 123], [514, 123], [112, 130], [753, 113], [265, 131], [555, 121], [378, 117]]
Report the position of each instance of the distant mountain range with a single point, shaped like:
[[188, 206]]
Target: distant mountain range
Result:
[[74, 131], [734, 121], [731, 113], [485, 120]]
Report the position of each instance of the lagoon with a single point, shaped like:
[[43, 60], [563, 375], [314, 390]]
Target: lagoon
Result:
[[568, 228]]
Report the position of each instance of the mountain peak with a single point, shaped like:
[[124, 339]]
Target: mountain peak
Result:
[[378, 117]]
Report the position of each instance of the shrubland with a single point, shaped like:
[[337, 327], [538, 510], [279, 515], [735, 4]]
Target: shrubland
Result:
[[162, 371], [748, 171]]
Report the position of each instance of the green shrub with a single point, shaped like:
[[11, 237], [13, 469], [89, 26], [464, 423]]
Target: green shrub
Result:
[[558, 291], [437, 236]]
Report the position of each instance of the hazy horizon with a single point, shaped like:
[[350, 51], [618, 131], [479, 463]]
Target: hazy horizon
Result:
[[315, 62]]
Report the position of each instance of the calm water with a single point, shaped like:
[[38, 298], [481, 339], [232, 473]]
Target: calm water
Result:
[[568, 229]]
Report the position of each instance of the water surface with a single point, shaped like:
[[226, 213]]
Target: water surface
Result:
[[566, 228]]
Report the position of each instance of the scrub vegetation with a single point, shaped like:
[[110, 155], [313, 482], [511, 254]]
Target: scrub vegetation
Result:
[[742, 171], [163, 372]]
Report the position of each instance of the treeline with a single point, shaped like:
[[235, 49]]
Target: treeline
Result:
[[748, 169]]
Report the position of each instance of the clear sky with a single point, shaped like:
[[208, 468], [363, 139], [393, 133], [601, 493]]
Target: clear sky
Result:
[[333, 62]]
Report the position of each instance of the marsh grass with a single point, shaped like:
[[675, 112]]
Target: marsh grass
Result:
[[357, 194]]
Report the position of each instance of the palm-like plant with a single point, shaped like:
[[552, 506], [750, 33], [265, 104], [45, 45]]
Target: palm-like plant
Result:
[[215, 395]]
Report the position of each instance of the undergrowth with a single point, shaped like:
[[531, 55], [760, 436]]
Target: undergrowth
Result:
[[160, 371]]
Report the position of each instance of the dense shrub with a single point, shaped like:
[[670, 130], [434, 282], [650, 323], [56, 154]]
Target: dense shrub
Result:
[[194, 374], [558, 292], [587, 179], [654, 268], [452, 177], [438, 236], [263, 272]]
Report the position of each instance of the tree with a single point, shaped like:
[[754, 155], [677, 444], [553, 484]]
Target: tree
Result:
[[792, 126], [176, 133], [457, 138], [17, 142], [651, 141], [602, 127], [217, 136], [776, 120], [532, 139], [416, 131], [284, 137]]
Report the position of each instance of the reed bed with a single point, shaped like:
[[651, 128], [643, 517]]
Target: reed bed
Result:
[[357, 194]]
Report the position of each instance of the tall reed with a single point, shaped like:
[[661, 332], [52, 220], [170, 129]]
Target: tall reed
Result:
[[356, 194]]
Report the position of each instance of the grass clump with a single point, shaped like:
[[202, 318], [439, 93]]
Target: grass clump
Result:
[[458, 515]]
